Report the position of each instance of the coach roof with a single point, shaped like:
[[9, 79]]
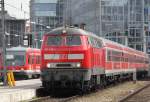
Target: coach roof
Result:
[[20, 48]]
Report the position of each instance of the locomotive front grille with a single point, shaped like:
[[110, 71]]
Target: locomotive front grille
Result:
[[64, 65]]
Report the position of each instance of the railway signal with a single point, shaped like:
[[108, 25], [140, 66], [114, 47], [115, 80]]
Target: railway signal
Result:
[[28, 39]]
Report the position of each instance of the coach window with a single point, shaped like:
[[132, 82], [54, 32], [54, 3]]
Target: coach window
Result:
[[130, 58], [147, 62], [108, 55], [32, 59], [126, 59], [122, 57], [54, 40], [117, 56], [38, 59], [73, 40], [29, 59]]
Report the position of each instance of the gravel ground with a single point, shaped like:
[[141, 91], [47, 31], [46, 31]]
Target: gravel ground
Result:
[[111, 94]]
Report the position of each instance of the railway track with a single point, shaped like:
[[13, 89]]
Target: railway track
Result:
[[62, 96], [51, 99], [140, 95], [58, 96]]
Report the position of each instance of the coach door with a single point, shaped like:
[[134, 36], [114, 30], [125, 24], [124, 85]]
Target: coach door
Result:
[[37, 63], [31, 61]]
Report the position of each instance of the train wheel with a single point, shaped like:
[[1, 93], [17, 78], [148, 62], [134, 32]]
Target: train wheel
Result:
[[29, 76], [103, 81], [86, 87], [34, 76]]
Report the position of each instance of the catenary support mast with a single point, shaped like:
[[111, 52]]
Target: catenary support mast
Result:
[[3, 42]]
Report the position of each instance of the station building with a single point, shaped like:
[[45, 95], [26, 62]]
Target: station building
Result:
[[14, 30]]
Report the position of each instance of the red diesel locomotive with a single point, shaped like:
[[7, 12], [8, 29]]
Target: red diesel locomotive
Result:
[[72, 57], [24, 62]]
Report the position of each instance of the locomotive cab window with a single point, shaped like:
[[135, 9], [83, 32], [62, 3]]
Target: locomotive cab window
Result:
[[54, 40], [95, 42], [73, 40]]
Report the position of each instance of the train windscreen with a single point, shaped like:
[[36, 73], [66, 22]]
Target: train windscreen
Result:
[[70, 40], [15, 59], [54, 40], [73, 40]]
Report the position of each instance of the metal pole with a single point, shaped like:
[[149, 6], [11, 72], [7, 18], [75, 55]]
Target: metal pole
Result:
[[35, 42], [19, 36], [144, 34], [100, 19], [4, 44], [126, 40]]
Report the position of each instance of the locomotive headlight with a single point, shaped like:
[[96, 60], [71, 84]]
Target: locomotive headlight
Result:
[[78, 65], [48, 65], [22, 69]]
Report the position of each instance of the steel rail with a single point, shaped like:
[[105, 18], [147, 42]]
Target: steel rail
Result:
[[49, 99], [124, 99]]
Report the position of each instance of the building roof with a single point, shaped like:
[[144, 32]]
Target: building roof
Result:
[[8, 17]]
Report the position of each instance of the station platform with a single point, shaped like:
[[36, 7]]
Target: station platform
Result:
[[24, 90]]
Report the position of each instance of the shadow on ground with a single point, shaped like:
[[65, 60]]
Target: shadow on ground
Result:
[[56, 93]]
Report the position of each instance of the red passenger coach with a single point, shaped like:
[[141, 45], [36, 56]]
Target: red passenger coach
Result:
[[72, 57], [25, 62]]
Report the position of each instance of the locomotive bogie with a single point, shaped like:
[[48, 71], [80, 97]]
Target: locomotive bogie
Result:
[[65, 77]]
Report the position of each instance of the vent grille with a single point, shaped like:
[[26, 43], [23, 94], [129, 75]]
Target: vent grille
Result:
[[63, 65]]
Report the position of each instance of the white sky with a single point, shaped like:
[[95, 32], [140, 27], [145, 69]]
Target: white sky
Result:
[[15, 11]]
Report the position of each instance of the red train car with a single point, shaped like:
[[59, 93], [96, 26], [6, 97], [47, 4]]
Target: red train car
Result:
[[72, 57], [25, 62]]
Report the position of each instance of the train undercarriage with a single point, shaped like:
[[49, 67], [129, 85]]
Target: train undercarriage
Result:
[[83, 80]]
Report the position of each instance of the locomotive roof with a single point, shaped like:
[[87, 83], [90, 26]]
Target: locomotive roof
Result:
[[69, 30]]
